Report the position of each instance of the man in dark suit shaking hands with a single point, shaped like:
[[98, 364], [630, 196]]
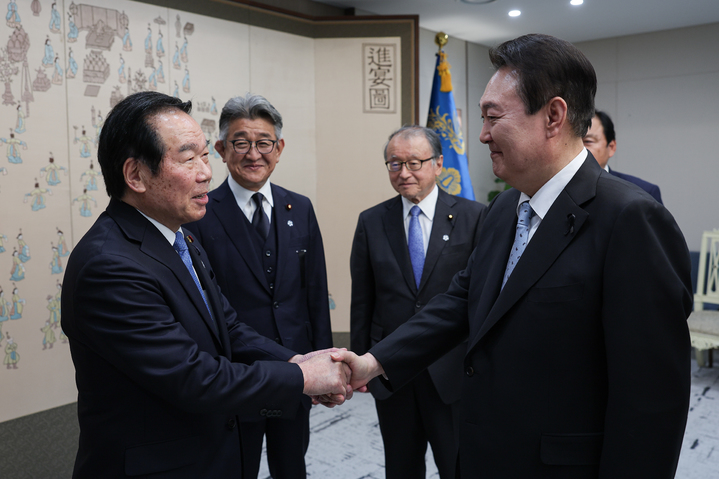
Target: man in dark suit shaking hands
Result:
[[270, 263], [574, 303], [391, 282], [164, 368]]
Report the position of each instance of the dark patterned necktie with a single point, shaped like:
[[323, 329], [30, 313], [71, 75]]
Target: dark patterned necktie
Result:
[[259, 218]]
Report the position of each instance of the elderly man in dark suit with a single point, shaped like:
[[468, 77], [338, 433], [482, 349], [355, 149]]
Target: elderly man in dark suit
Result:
[[164, 368], [601, 141], [389, 285], [574, 303], [270, 263]]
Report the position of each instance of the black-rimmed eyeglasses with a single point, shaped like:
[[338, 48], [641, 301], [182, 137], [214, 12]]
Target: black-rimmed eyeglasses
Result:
[[412, 165], [242, 146]]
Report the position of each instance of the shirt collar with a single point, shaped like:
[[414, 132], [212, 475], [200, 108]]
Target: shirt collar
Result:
[[427, 205], [548, 193], [166, 232], [243, 196]]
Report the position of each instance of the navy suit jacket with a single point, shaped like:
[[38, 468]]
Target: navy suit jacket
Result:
[[160, 383], [650, 188], [384, 292], [297, 304], [580, 366]]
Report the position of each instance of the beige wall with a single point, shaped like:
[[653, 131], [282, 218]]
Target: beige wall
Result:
[[662, 91], [351, 175]]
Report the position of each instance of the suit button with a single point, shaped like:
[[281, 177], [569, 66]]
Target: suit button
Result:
[[470, 371], [275, 305], [268, 253], [231, 424], [418, 305], [277, 340], [272, 285], [269, 270]]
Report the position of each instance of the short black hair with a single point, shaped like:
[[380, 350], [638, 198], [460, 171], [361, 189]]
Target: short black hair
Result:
[[548, 67], [128, 132], [607, 124]]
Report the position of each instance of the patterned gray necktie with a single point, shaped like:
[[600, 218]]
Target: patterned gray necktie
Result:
[[521, 237]]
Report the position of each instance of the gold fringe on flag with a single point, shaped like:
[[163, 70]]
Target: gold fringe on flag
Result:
[[444, 74]]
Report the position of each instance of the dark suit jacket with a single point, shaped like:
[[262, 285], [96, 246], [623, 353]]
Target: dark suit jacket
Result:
[[650, 188], [297, 304], [580, 367], [160, 383], [384, 293]]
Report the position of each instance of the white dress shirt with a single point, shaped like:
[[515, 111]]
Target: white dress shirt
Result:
[[168, 234], [243, 196], [427, 205], [545, 197]]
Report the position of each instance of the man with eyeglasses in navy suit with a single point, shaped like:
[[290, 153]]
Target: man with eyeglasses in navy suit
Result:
[[266, 247]]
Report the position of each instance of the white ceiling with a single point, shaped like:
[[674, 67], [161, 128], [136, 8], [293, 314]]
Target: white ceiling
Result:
[[490, 25]]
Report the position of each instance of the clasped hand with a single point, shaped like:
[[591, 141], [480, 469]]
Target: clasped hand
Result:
[[332, 375]]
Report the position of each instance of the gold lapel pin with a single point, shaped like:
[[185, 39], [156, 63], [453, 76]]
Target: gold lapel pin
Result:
[[288, 207], [450, 217]]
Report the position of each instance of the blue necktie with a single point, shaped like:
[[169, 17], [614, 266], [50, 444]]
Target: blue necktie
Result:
[[521, 237], [181, 248], [259, 218], [416, 245]]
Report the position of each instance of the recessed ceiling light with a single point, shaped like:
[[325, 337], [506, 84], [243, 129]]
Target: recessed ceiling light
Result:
[[514, 13], [478, 2], [576, 2]]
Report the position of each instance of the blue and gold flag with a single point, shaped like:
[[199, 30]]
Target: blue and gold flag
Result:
[[443, 120]]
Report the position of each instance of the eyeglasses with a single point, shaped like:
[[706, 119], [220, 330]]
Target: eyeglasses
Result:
[[243, 146], [412, 165]]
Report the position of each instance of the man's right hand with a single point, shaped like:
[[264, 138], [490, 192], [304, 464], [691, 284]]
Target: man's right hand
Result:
[[364, 368], [327, 377]]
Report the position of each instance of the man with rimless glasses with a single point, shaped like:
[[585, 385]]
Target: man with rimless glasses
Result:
[[267, 250], [405, 251]]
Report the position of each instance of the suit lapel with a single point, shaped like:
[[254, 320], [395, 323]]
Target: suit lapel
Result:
[[237, 227], [218, 326], [552, 237], [442, 226], [394, 229], [282, 216], [152, 243]]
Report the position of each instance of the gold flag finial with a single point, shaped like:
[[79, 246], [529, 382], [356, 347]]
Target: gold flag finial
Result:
[[441, 40], [443, 67]]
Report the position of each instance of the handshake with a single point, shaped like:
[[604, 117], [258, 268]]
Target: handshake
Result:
[[332, 375]]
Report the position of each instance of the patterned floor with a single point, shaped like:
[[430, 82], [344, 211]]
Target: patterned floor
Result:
[[345, 441]]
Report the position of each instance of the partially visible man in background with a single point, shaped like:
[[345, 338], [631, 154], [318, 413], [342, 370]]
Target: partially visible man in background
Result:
[[601, 141]]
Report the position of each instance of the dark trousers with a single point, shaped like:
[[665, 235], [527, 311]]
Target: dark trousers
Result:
[[411, 417], [287, 442]]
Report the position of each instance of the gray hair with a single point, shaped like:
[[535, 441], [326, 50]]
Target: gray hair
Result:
[[251, 107], [410, 131]]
